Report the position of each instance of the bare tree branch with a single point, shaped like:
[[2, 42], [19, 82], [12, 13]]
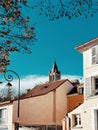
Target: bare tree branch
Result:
[[16, 31]]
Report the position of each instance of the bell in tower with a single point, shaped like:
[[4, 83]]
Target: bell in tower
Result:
[[54, 73]]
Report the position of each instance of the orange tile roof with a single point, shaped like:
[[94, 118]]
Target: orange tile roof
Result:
[[44, 88]]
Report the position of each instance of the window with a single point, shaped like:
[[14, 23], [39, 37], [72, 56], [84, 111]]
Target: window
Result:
[[91, 86], [44, 87], [3, 115], [94, 54], [76, 120], [94, 86], [96, 119], [81, 90], [96, 83]]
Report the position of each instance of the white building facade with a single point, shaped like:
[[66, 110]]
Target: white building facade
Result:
[[6, 111], [85, 117]]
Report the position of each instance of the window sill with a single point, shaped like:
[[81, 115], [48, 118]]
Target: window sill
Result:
[[77, 127], [91, 65], [3, 126], [92, 97]]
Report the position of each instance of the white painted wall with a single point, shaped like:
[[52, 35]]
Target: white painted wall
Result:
[[26, 128], [9, 111], [90, 102], [90, 105], [79, 110]]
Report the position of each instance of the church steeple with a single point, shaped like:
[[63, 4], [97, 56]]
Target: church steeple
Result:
[[54, 73]]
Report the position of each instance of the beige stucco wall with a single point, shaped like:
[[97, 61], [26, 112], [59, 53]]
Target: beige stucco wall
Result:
[[35, 110], [45, 109], [61, 100]]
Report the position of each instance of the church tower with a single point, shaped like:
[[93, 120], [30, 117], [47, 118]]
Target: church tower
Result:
[[54, 73]]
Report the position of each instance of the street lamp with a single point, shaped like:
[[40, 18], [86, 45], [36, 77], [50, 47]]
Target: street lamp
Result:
[[9, 77]]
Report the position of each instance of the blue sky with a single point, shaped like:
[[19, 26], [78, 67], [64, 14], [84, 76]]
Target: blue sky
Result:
[[56, 40]]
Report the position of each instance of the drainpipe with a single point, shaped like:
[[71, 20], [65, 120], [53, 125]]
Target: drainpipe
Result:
[[66, 123], [63, 124]]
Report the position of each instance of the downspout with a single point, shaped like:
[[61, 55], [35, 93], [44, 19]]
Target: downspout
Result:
[[66, 124]]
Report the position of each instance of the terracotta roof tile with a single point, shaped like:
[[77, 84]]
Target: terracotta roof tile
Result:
[[44, 88]]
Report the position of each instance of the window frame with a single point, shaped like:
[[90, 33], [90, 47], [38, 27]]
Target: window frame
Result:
[[94, 55], [94, 87], [96, 118], [81, 90], [3, 116], [76, 120], [96, 83]]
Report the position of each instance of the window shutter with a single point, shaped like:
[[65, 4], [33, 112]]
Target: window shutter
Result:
[[88, 87], [94, 54]]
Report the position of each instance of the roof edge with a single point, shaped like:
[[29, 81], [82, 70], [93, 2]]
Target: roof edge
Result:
[[63, 81], [87, 45]]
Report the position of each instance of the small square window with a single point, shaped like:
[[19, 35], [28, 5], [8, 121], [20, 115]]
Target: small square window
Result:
[[3, 115], [76, 120], [81, 90]]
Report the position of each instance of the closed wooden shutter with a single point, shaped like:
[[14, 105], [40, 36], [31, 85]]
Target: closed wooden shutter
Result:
[[88, 87], [94, 54]]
